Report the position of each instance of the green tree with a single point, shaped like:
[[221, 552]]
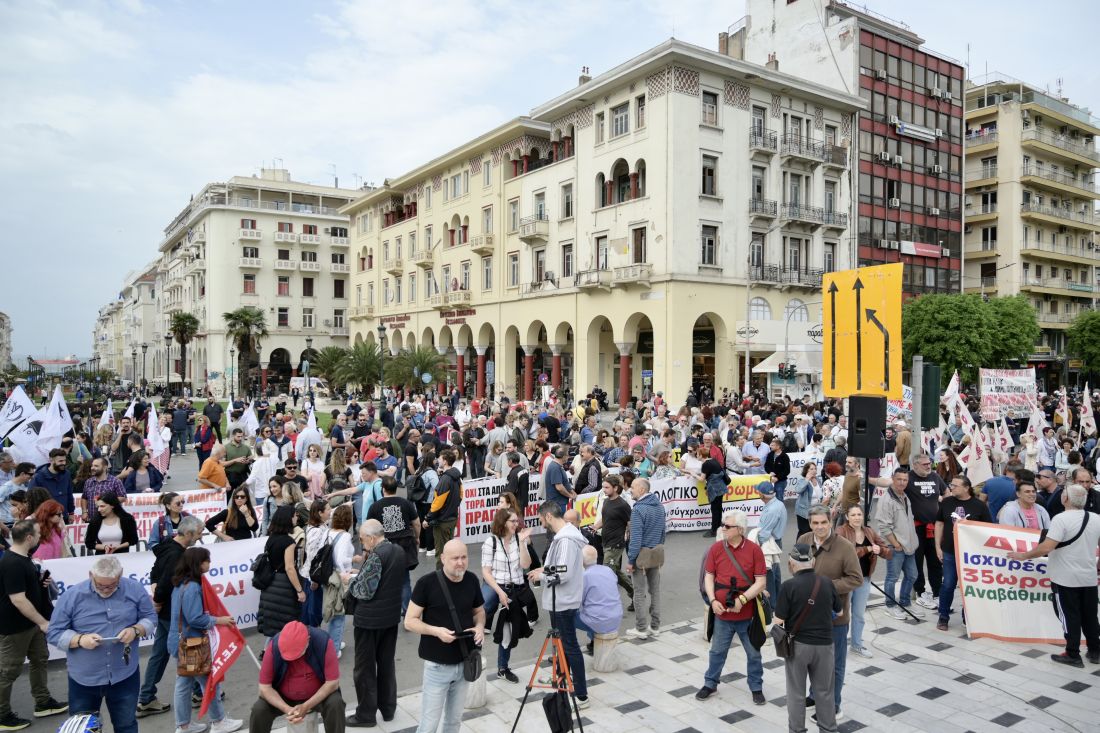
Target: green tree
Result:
[[954, 331], [183, 327], [1083, 339], [1015, 330], [326, 363], [362, 365], [245, 327], [408, 367]]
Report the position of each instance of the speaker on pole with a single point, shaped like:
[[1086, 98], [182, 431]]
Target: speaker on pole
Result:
[[866, 426]]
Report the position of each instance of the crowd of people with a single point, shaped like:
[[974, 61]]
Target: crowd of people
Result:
[[350, 511]]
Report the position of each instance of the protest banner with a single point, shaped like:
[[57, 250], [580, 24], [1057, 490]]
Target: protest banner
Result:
[[901, 409], [479, 504], [1006, 393], [1007, 600], [230, 576]]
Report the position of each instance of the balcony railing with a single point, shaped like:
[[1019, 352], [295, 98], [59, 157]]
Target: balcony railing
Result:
[[978, 137], [985, 171], [338, 241], [534, 227], [289, 237], [1062, 249], [393, 265], [339, 268], [592, 279], [1084, 183], [989, 281], [1061, 141], [763, 140], [422, 258], [197, 236], [834, 219], [339, 331], [546, 284], [836, 156], [806, 277], [1057, 317], [1054, 282], [763, 208], [1077, 217], [309, 238], [482, 244], [457, 297], [285, 265], [438, 300], [633, 274], [250, 234], [797, 146], [797, 212], [361, 311], [251, 262], [309, 266]]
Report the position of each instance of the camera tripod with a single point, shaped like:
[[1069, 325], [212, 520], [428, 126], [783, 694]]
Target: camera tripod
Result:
[[560, 679]]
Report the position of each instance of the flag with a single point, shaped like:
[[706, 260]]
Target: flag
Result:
[[226, 644], [249, 423], [1036, 424], [130, 410], [152, 432], [1004, 442], [951, 394], [979, 469], [34, 440], [1063, 409], [108, 415], [1088, 417], [17, 410], [311, 421]]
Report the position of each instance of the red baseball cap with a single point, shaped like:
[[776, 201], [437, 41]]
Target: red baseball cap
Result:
[[293, 640]]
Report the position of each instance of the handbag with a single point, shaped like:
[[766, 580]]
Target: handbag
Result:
[[651, 557], [471, 659], [784, 639], [193, 659]]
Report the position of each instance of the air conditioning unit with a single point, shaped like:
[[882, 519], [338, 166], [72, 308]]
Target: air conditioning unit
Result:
[[881, 244], [328, 230], [898, 160], [895, 203], [968, 229], [885, 157], [939, 132], [895, 120], [945, 252], [936, 92], [328, 322], [935, 212], [937, 169], [945, 95], [880, 74], [893, 244], [548, 276]]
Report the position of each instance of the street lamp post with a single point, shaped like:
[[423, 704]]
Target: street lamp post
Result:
[[381, 365], [133, 369], [167, 364], [144, 382], [233, 374], [787, 339], [309, 382]]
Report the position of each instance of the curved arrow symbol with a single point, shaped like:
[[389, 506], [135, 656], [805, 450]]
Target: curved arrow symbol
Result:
[[832, 332], [858, 287], [885, 348]]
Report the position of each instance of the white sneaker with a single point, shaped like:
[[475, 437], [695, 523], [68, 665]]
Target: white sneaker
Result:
[[431, 553], [896, 612], [227, 725], [927, 601], [863, 652], [917, 612], [635, 634], [192, 727], [583, 703]]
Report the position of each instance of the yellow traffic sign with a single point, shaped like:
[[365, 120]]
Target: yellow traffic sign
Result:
[[862, 331]]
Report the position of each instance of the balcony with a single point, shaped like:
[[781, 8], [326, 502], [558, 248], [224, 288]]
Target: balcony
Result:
[[310, 266], [638, 274], [361, 311], [802, 148], [763, 141], [309, 238], [1078, 218], [834, 219], [339, 331], [339, 268], [197, 236], [287, 237], [786, 277], [1050, 250], [1081, 185], [1068, 287], [797, 214], [979, 138], [394, 265], [984, 173], [338, 241], [534, 228], [438, 301], [422, 258], [251, 235], [762, 208], [984, 212], [1055, 320], [545, 285], [286, 265], [457, 297], [1040, 138], [986, 250], [592, 279], [193, 267], [252, 263], [482, 244], [836, 156]]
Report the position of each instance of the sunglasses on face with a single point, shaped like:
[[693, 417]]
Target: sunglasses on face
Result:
[[240, 496]]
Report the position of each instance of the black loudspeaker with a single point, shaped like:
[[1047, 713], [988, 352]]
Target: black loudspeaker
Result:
[[866, 426]]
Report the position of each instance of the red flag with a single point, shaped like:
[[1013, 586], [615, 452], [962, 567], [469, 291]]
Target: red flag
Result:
[[226, 644]]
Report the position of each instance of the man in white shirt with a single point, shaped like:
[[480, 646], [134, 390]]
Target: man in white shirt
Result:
[[841, 430]]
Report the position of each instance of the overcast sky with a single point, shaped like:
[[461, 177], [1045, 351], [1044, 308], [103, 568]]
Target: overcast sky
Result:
[[114, 113]]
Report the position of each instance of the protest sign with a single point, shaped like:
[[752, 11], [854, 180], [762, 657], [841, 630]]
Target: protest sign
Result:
[[146, 509], [1006, 393], [901, 409]]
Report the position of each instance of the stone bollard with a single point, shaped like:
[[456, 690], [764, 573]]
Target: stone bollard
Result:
[[604, 658], [477, 691], [308, 725]]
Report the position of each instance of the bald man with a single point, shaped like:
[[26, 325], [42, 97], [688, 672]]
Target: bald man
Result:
[[444, 687]]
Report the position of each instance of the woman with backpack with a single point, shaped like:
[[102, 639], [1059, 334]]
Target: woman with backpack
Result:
[[330, 572], [281, 601], [317, 531], [422, 494]]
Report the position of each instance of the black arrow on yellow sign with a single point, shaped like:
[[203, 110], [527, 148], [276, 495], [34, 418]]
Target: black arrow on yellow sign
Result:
[[885, 347], [858, 287], [832, 332]]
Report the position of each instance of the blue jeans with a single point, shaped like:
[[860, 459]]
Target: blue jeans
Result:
[[773, 582], [859, 609], [121, 698], [582, 626], [178, 439], [906, 566], [442, 696], [566, 624], [158, 662], [181, 700], [720, 646], [492, 601], [840, 662], [950, 583], [336, 630]]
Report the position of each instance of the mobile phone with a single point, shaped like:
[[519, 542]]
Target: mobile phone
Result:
[[109, 638]]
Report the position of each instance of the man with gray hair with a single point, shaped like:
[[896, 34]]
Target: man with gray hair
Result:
[[645, 554], [1070, 547], [105, 607], [7, 467]]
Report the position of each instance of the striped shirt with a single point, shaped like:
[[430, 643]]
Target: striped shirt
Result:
[[504, 562]]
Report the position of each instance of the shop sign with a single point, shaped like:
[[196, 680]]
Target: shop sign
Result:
[[457, 317], [403, 318]]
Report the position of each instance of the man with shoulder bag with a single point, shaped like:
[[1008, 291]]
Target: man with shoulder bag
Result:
[[645, 555], [804, 621]]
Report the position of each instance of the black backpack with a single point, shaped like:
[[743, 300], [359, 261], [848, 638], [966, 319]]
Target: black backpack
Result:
[[262, 572], [415, 488], [320, 570], [790, 443]]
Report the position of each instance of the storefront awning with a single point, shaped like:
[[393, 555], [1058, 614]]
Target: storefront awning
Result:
[[807, 362]]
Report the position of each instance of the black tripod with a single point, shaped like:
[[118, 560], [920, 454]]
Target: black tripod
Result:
[[904, 608], [560, 679]]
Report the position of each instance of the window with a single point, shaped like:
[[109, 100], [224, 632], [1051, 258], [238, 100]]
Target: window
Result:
[[758, 176], [250, 252], [412, 287], [487, 172], [567, 201], [429, 285], [370, 293], [428, 237], [637, 242], [448, 286], [599, 127], [830, 196], [283, 286], [639, 112], [397, 290], [756, 250], [307, 287], [465, 182], [794, 254], [513, 269], [428, 196], [338, 318], [540, 206], [620, 120], [307, 318], [759, 310], [386, 291], [283, 318], [487, 273], [359, 295], [710, 175], [397, 247], [412, 243], [456, 185], [286, 227], [759, 116], [487, 219], [601, 252], [248, 223], [830, 257], [796, 310], [283, 254], [513, 215], [338, 258], [710, 108], [539, 261], [308, 255], [309, 229], [709, 245], [249, 285], [338, 287], [339, 231], [567, 260], [464, 275]]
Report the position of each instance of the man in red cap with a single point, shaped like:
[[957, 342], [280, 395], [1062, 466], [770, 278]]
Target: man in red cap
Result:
[[300, 673]]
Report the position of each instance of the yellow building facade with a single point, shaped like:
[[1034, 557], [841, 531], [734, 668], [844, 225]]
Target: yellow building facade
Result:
[[644, 229]]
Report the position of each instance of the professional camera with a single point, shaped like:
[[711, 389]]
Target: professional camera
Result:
[[551, 574]]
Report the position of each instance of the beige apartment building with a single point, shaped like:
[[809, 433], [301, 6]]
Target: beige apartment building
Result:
[[1031, 197], [612, 235]]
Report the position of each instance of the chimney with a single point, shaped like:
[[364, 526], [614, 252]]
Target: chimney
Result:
[[773, 62], [723, 43], [585, 77]]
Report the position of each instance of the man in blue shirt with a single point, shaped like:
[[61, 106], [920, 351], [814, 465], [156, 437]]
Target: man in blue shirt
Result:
[[601, 610], [557, 486], [773, 520], [105, 606], [755, 453], [1000, 490], [55, 478]]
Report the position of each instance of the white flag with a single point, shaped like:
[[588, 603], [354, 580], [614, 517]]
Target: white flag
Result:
[[1004, 437], [1088, 417], [952, 392], [1063, 409], [108, 415], [249, 423], [152, 433], [17, 410], [311, 421], [979, 469], [35, 446], [1036, 424], [130, 410]]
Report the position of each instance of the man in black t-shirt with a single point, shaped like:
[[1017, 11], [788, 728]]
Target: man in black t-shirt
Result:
[[442, 645], [612, 524], [399, 523], [924, 491], [961, 504], [25, 611], [289, 472]]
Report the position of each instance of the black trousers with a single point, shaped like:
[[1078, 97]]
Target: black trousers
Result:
[[926, 552], [375, 672], [716, 515], [1076, 609], [331, 709]]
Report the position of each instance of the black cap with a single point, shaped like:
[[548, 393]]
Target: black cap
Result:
[[801, 553]]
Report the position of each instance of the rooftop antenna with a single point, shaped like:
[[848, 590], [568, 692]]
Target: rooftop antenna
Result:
[[336, 181], [1059, 81]]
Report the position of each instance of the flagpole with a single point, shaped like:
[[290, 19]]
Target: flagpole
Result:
[[253, 655]]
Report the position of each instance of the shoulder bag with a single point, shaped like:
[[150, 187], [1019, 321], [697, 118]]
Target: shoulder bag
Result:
[[784, 638], [471, 658], [262, 572], [764, 604], [1071, 540], [762, 610], [193, 656]]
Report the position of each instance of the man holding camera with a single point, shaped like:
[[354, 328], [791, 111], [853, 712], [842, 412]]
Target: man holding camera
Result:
[[563, 588]]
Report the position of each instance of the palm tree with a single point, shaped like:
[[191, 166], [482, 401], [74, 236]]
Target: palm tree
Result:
[[183, 326], [408, 367], [245, 327], [326, 363], [362, 365]]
